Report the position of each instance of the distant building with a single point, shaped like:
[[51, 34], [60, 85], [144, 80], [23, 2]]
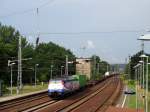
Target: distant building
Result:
[[84, 66]]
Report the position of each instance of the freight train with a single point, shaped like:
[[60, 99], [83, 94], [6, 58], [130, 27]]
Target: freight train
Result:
[[63, 86]]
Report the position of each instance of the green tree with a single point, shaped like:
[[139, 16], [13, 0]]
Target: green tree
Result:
[[99, 67], [45, 54], [9, 51]]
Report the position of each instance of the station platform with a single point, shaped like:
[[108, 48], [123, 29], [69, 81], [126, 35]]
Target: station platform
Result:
[[118, 109], [7, 98]]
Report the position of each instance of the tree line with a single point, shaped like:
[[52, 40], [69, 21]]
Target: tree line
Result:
[[99, 67], [43, 54], [134, 60]]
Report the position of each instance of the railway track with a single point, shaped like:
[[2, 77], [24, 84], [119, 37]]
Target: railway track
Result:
[[22, 103], [95, 102], [75, 99], [61, 103], [112, 98], [74, 103], [92, 102]]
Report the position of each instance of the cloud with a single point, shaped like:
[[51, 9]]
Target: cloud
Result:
[[90, 44]]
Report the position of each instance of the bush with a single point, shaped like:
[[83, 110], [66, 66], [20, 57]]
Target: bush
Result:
[[132, 82], [4, 89]]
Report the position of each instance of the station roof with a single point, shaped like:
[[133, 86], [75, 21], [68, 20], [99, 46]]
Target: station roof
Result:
[[145, 37]]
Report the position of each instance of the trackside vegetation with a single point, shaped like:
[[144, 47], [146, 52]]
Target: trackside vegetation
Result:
[[45, 55]]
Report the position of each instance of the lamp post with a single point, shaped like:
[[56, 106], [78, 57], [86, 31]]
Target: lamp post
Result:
[[36, 65], [11, 66], [62, 70], [136, 83], [19, 77], [140, 75], [143, 38], [142, 72], [142, 81], [144, 56], [136, 78]]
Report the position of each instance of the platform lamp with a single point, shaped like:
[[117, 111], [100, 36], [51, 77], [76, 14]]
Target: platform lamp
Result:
[[143, 38], [144, 56], [142, 62], [11, 82], [136, 78]]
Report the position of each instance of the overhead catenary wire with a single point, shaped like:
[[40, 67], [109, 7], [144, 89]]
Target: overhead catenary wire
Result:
[[28, 10], [82, 33]]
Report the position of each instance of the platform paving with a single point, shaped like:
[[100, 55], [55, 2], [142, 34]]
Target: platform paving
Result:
[[118, 109]]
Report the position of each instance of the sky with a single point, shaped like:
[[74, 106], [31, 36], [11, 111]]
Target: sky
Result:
[[107, 28]]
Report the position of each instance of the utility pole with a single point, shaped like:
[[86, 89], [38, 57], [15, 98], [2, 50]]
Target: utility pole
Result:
[[35, 73], [66, 69], [51, 71], [19, 79], [62, 70]]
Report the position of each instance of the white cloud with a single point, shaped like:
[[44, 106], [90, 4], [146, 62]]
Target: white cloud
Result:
[[90, 44]]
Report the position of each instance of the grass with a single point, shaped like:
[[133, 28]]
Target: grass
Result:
[[131, 99], [28, 89]]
